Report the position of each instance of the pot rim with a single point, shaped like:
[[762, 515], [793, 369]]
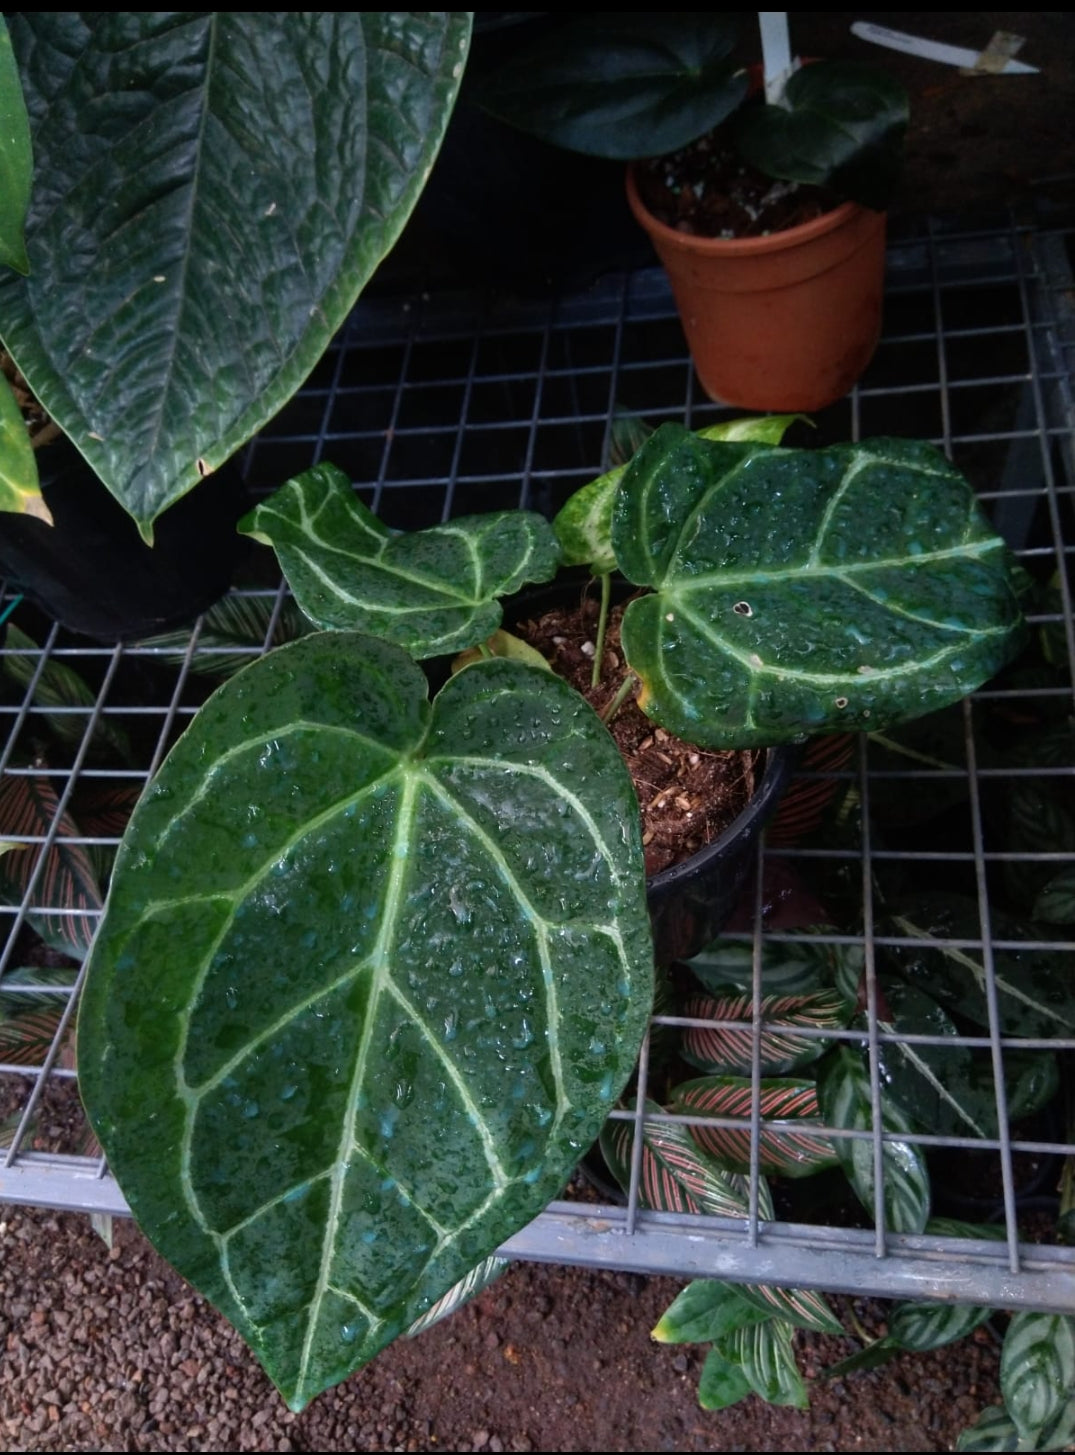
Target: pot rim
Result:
[[780, 762], [737, 247]]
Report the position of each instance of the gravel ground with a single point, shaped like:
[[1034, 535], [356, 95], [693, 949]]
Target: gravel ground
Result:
[[110, 1350]]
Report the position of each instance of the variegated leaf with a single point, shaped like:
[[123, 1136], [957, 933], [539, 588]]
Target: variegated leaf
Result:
[[429, 591], [487, 1271], [59, 686], [994, 1430], [233, 632], [803, 1307], [844, 1091], [922, 1326], [718, 1049], [765, 1354], [790, 1144], [1037, 1370], [676, 1174], [67, 881]]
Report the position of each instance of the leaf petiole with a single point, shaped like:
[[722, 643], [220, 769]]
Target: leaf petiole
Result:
[[602, 628]]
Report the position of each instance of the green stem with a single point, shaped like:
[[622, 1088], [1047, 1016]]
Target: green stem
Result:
[[611, 708], [602, 627], [486, 650]]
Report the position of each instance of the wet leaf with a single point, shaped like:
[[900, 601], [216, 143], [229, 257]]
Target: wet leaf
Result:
[[876, 592], [371, 976], [844, 1093], [1037, 1370], [429, 591]]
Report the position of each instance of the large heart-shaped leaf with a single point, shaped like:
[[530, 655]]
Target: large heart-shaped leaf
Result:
[[370, 978], [622, 84], [212, 190], [841, 125], [844, 1094], [804, 591], [430, 591], [16, 159]]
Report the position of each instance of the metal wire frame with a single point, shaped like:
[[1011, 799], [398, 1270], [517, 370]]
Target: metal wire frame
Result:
[[446, 405]]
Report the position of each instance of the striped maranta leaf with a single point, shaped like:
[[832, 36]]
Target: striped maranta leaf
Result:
[[994, 1430], [729, 1048], [66, 880], [922, 1326], [877, 590], [844, 1093], [430, 591], [371, 975], [487, 1271], [765, 1354], [790, 1144], [805, 1308], [1037, 1370], [676, 1174]]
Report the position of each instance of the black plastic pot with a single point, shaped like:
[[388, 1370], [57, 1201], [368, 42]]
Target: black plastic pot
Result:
[[690, 903], [92, 572]]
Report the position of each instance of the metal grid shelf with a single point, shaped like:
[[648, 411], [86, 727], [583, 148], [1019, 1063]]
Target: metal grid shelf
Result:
[[447, 405]]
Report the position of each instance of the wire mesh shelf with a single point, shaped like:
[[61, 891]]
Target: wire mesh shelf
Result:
[[946, 851]]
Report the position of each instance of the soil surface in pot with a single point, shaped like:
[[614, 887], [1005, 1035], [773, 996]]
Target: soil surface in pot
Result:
[[687, 795], [706, 190]]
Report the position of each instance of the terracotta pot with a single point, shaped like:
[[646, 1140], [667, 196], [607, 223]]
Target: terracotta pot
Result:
[[779, 323]]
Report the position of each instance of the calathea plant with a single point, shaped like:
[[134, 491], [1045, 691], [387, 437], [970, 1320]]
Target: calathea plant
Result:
[[374, 969]]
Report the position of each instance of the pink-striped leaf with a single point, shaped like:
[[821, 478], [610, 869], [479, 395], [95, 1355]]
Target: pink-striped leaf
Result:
[[676, 1175], [803, 1307], [790, 1144], [28, 1021], [720, 1049], [66, 882]]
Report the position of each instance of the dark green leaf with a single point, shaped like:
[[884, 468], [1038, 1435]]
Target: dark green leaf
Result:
[[16, 161], [790, 1145], [765, 1354], [722, 1382], [950, 1090], [841, 126], [233, 632], [993, 1430], [212, 191], [1038, 823], [622, 84], [922, 1326], [1035, 994], [1055, 903], [429, 591], [705, 1311], [1037, 1370], [730, 1049], [844, 1093], [371, 976], [877, 591]]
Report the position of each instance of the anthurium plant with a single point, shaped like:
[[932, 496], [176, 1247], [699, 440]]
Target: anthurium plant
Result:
[[375, 969], [189, 206], [635, 84]]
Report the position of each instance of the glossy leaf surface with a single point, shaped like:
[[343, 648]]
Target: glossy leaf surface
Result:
[[876, 591], [429, 591], [584, 523], [1037, 1370], [16, 159], [844, 1093], [622, 84], [790, 1144], [841, 126], [705, 1311], [371, 976], [212, 191]]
